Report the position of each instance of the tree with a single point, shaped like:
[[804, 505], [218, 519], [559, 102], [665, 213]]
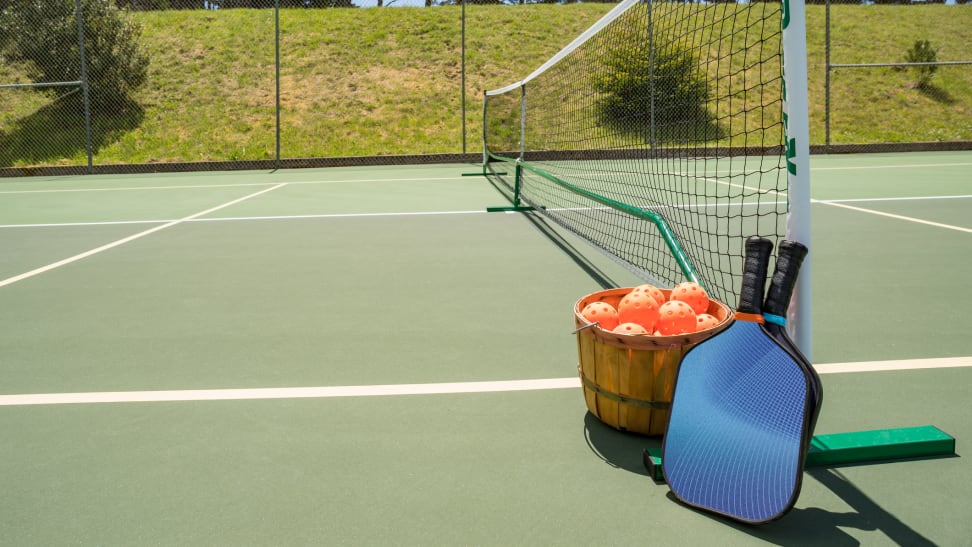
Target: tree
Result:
[[658, 96], [923, 52], [44, 33]]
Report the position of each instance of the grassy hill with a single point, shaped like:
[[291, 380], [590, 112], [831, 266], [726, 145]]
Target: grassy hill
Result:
[[387, 81]]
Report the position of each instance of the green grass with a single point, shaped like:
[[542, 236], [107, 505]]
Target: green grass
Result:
[[885, 104], [387, 81]]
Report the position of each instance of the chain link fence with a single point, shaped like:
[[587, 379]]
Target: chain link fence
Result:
[[152, 85], [911, 93]]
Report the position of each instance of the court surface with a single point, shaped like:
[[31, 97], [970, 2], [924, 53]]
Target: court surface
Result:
[[356, 356]]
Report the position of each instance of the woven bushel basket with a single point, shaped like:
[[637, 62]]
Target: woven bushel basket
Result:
[[629, 380]]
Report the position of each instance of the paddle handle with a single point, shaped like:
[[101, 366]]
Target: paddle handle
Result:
[[758, 251], [790, 255]]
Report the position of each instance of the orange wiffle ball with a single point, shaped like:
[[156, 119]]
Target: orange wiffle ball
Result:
[[654, 291], [602, 313], [638, 307], [692, 294], [705, 321], [676, 317], [630, 328]]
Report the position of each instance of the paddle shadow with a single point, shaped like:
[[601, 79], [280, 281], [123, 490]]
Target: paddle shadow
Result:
[[816, 526], [801, 526]]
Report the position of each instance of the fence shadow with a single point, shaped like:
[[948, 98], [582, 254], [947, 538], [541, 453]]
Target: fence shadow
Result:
[[56, 132]]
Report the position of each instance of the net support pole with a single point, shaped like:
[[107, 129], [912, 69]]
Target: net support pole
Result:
[[485, 147], [797, 129]]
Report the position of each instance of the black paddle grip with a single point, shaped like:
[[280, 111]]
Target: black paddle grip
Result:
[[790, 255], [758, 251]]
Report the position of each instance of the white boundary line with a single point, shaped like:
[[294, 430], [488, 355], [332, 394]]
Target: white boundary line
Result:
[[246, 219], [231, 185], [116, 243], [910, 364], [890, 166], [896, 217], [833, 202], [323, 392], [288, 392]]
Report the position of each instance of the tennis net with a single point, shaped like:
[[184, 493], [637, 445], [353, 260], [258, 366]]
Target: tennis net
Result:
[[658, 136]]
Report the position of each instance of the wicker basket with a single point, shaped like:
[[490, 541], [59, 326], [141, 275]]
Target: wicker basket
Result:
[[629, 380]]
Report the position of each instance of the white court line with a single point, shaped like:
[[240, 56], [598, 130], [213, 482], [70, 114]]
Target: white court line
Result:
[[835, 202], [909, 364], [135, 188], [245, 219], [205, 186], [401, 389], [113, 244], [891, 166], [287, 392], [904, 198], [890, 215]]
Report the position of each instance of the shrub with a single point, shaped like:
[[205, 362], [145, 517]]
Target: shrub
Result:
[[923, 52], [631, 89]]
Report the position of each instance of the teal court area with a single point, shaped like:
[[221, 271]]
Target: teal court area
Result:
[[365, 356]]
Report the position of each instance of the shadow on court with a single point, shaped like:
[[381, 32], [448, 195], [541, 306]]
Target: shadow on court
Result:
[[617, 448], [801, 526]]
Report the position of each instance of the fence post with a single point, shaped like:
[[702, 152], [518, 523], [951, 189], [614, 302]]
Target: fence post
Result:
[[276, 63], [84, 86], [463, 73], [827, 78]]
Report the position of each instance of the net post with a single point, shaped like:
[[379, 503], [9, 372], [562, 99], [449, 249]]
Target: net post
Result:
[[522, 122], [797, 134], [485, 155], [518, 180]]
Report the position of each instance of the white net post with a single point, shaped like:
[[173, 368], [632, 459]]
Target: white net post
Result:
[[797, 124]]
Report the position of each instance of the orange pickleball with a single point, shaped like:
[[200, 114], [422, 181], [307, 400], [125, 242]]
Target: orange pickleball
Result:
[[705, 321], [601, 313], [675, 317], [630, 328], [654, 291], [638, 307], [692, 294]]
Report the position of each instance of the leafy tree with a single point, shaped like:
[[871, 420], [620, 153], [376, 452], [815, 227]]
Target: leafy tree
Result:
[[670, 96], [44, 33]]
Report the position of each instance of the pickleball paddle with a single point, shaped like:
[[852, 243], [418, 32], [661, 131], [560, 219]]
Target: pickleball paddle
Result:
[[789, 258], [737, 436]]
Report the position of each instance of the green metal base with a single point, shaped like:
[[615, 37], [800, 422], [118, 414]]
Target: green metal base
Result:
[[856, 447], [482, 174]]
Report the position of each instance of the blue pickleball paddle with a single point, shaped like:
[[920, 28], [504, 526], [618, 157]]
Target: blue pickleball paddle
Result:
[[736, 440]]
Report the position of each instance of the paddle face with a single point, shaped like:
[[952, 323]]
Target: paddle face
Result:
[[736, 439], [790, 255]]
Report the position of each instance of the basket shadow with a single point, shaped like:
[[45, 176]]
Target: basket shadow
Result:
[[618, 448]]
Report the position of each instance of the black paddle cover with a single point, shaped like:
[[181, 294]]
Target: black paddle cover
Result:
[[758, 250], [790, 255]]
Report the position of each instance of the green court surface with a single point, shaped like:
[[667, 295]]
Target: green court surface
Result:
[[355, 356]]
